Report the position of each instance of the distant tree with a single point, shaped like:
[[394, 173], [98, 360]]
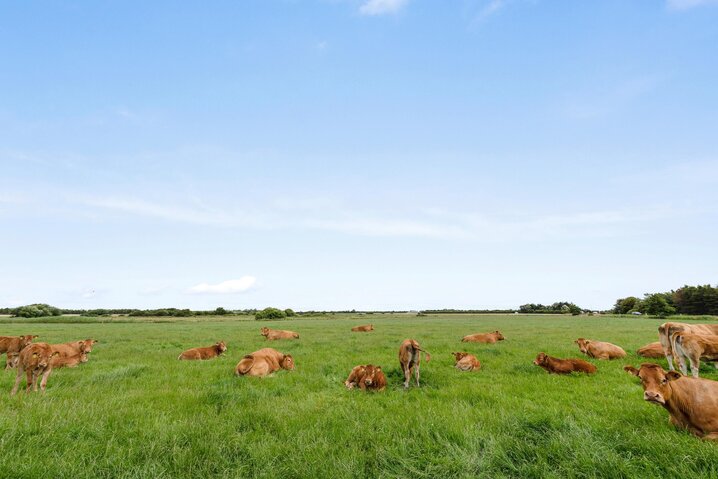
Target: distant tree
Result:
[[220, 311], [657, 305], [626, 305], [269, 313], [36, 311], [289, 312]]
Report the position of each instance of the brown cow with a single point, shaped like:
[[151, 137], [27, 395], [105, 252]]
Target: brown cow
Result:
[[466, 362], [71, 350], [12, 345], [692, 403], [363, 329], [204, 353], [410, 359], [666, 330], [652, 350], [366, 377], [487, 338], [263, 362], [694, 347], [563, 366], [273, 334], [35, 360], [69, 361], [600, 349]]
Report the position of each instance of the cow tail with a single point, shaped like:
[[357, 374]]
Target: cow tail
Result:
[[428, 356]]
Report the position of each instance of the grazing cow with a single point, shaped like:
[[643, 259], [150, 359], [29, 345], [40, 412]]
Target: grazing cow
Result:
[[692, 403], [487, 338], [466, 362], [71, 350], [263, 362], [34, 360], [666, 330], [600, 349], [410, 359], [12, 345], [363, 329], [694, 347], [279, 334], [652, 350], [563, 366], [204, 353], [366, 377]]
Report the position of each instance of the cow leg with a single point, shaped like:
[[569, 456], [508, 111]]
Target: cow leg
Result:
[[35, 380], [407, 376], [711, 437], [18, 378], [29, 378], [695, 365], [416, 374], [669, 357], [45, 375]]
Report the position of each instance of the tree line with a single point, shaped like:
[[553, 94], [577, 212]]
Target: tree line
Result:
[[690, 300]]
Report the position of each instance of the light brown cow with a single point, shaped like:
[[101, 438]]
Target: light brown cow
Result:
[[666, 330], [12, 345], [600, 349], [692, 403], [366, 376], [204, 353], [487, 338], [563, 366], [651, 350], [68, 361], [466, 362], [35, 360], [363, 329], [273, 334], [694, 347], [72, 349], [410, 359], [264, 362]]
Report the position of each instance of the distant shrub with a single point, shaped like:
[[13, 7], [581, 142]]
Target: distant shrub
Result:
[[269, 313], [36, 311], [289, 312]]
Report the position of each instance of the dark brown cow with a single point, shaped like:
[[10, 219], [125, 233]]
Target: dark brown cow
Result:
[[35, 360], [666, 330], [652, 350], [694, 347], [466, 362], [487, 338], [410, 359], [692, 403], [273, 334], [366, 377], [204, 353], [264, 362], [12, 345], [363, 329], [600, 349], [563, 366]]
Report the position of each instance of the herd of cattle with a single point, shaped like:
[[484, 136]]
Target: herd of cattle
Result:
[[692, 402]]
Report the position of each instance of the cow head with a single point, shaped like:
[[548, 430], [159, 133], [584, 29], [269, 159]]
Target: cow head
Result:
[[41, 359], [265, 331], [583, 344], [221, 347], [287, 362], [541, 358], [655, 382], [27, 339], [371, 375], [354, 376], [499, 336], [371, 327], [459, 356]]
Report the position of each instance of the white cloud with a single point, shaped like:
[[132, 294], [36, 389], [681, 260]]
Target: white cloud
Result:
[[382, 7], [492, 7], [686, 4], [232, 286]]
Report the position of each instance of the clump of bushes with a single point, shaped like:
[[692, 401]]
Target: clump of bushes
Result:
[[36, 311], [273, 313]]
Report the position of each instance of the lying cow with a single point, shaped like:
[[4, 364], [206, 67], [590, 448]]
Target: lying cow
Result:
[[279, 334], [410, 360], [666, 331], [71, 354], [363, 329], [34, 360], [466, 362], [651, 350], [563, 366], [694, 347], [12, 345], [692, 403], [366, 377], [204, 353], [600, 349], [487, 338], [264, 362]]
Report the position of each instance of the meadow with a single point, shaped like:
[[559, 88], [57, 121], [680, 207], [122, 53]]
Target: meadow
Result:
[[135, 411]]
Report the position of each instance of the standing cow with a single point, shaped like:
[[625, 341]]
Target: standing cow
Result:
[[12, 345], [410, 360], [34, 360], [666, 330], [694, 347]]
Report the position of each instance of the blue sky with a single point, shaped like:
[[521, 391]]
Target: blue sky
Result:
[[338, 154]]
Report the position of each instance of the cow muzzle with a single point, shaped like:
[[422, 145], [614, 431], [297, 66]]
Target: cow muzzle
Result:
[[654, 397]]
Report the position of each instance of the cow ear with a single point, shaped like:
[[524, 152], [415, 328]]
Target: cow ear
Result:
[[54, 354], [631, 370], [673, 375], [34, 355], [587, 341]]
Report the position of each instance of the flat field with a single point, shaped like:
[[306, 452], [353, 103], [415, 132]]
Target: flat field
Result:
[[134, 410]]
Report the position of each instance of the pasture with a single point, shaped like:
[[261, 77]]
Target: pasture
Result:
[[134, 410]]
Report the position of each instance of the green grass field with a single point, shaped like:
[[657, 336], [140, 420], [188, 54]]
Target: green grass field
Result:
[[135, 411]]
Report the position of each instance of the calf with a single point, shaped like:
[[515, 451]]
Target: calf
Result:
[[273, 334], [466, 362], [651, 350], [666, 330], [73, 349], [487, 338], [264, 362], [692, 403], [34, 360], [12, 345], [410, 360], [694, 347], [600, 349], [363, 329], [563, 366], [366, 377], [204, 353]]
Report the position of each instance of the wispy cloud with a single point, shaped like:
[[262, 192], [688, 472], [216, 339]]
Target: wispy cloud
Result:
[[232, 286], [382, 7], [490, 8], [687, 4]]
